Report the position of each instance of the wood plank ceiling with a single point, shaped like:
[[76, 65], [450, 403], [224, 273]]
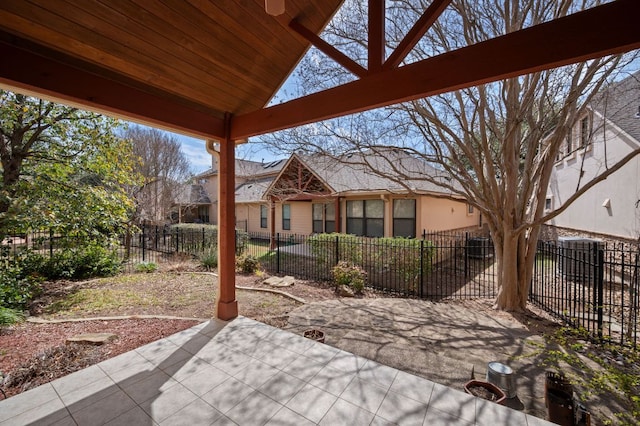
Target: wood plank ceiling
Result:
[[209, 57], [187, 64]]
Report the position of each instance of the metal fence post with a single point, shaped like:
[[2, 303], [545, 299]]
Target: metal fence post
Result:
[[337, 249], [599, 263], [466, 255], [144, 237], [278, 253], [50, 243], [420, 291]]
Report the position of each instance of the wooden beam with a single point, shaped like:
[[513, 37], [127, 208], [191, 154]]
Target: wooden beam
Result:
[[26, 70], [414, 35], [227, 305], [342, 59], [603, 30], [376, 43]]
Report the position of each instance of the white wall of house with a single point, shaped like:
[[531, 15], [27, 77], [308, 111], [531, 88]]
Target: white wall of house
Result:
[[610, 207]]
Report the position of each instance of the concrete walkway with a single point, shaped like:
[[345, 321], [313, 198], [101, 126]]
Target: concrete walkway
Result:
[[443, 342], [248, 373]]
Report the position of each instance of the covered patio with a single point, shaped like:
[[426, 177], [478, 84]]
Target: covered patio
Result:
[[248, 373], [209, 70]]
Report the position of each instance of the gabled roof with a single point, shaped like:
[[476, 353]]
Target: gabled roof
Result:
[[620, 104], [191, 194], [355, 172], [249, 169], [352, 174], [253, 191]]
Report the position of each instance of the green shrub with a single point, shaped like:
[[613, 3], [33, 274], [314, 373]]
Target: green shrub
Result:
[[10, 316], [350, 275], [247, 264], [209, 259], [16, 288], [90, 260], [147, 267], [332, 248]]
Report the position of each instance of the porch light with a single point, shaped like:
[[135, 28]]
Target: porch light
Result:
[[274, 7]]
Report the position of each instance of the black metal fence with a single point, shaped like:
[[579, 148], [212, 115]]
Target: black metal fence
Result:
[[439, 265], [590, 285], [593, 286]]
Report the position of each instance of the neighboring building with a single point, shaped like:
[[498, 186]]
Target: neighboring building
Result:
[[605, 134], [247, 172], [191, 204], [315, 194]]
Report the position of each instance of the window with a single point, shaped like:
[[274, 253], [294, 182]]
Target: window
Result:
[[469, 209], [365, 218], [318, 218], [569, 142], [547, 203], [324, 218], [203, 214], [329, 218], [404, 218], [263, 216], [286, 217], [584, 132]]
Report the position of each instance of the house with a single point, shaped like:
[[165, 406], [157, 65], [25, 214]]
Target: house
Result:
[[247, 174], [191, 204], [608, 131], [317, 193]]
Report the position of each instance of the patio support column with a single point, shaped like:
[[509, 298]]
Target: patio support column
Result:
[[227, 305]]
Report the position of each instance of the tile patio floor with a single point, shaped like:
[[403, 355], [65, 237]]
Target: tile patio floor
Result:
[[247, 373]]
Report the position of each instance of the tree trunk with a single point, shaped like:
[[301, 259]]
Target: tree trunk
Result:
[[515, 253]]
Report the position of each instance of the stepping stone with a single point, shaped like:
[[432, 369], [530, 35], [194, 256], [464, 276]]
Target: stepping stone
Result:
[[92, 338], [285, 281]]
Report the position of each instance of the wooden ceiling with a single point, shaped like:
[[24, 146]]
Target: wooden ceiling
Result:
[[209, 57], [207, 68]]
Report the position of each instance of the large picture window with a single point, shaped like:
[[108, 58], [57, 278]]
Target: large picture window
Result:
[[365, 218], [404, 218], [263, 216], [286, 217]]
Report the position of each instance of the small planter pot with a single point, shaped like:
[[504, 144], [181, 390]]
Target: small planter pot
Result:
[[485, 390], [314, 334]]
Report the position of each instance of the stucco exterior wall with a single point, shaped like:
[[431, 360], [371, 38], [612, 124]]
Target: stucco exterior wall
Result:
[[441, 214], [591, 212]]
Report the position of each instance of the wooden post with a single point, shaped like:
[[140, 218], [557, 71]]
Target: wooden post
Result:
[[227, 305]]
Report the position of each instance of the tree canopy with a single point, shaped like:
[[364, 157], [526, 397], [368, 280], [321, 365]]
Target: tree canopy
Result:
[[61, 168]]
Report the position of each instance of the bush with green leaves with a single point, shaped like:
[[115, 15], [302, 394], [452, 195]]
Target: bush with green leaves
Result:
[[247, 264], [146, 267], [349, 275], [17, 287], [86, 261], [209, 259], [384, 259]]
